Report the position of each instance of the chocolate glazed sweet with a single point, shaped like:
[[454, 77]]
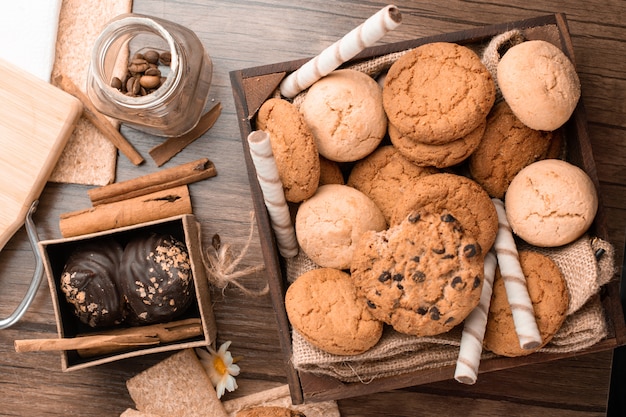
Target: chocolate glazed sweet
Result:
[[88, 282], [155, 278]]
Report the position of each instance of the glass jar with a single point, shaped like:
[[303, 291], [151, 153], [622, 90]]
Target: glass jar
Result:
[[175, 107]]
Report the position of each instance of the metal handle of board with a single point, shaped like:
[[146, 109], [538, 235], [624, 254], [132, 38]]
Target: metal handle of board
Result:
[[33, 238]]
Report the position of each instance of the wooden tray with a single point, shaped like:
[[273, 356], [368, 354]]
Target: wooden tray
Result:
[[252, 86]]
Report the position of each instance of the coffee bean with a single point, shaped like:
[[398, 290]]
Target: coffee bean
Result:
[[138, 66], [143, 75], [116, 83], [150, 81], [153, 71], [151, 56], [165, 58]]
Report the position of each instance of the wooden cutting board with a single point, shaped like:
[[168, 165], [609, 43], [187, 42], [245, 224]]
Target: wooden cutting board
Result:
[[36, 120]]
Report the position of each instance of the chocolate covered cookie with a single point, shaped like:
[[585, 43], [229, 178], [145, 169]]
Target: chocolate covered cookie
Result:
[[422, 276], [88, 282], [155, 278]]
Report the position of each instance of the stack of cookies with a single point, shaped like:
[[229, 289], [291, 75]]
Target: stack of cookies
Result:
[[391, 182]]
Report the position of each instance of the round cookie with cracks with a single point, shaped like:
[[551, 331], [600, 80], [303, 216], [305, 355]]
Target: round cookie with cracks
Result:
[[323, 305], [293, 147], [550, 298], [384, 175], [506, 147], [438, 93], [467, 201], [329, 224], [551, 203], [423, 276], [345, 113]]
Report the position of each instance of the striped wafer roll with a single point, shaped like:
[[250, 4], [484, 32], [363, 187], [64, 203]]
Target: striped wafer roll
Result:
[[273, 194], [364, 35], [515, 283], [474, 327]]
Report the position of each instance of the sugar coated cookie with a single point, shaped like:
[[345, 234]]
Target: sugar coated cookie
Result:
[[323, 305], [438, 93], [293, 147], [551, 203], [540, 84], [422, 276], [329, 224], [346, 115], [548, 292]]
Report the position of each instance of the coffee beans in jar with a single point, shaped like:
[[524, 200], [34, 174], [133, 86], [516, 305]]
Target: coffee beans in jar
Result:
[[143, 74], [162, 89]]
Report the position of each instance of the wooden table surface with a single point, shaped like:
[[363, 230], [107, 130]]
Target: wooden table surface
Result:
[[242, 34]]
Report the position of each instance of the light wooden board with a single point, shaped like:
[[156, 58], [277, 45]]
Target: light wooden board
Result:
[[36, 122]]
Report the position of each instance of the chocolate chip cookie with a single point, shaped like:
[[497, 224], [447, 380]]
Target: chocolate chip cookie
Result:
[[462, 197], [422, 276]]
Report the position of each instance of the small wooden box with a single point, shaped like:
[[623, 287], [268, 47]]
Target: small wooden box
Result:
[[252, 86], [55, 253]]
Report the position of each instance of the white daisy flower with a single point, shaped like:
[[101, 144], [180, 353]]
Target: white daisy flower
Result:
[[220, 367]]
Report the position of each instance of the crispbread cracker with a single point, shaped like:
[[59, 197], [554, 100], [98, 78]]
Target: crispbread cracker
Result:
[[88, 158], [129, 412], [176, 387], [280, 397]]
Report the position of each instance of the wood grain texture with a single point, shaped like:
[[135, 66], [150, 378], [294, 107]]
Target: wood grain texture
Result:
[[241, 34], [37, 122]]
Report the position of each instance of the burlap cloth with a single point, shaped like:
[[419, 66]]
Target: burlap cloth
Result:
[[586, 264]]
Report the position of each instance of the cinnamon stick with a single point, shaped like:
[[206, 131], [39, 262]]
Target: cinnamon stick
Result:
[[149, 207], [165, 333], [157, 181], [166, 150], [74, 343], [116, 340], [99, 121]]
